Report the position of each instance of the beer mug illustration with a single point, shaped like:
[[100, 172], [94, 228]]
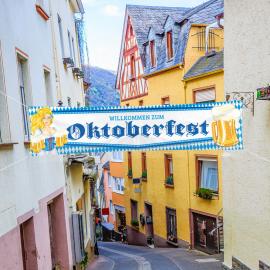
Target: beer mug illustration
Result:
[[224, 125]]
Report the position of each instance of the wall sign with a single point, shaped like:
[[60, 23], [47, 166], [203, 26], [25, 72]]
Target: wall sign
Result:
[[201, 126], [263, 93]]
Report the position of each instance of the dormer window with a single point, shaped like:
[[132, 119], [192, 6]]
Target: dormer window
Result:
[[169, 45], [152, 53]]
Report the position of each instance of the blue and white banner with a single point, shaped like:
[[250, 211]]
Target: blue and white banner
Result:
[[201, 126]]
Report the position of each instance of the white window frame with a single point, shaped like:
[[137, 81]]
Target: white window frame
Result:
[[24, 91], [118, 185], [212, 159], [5, 136], [117, 156], [60, 30]]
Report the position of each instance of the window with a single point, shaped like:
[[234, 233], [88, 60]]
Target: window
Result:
[[144, 167], [78, 104], [48, 88], [4, 124], [132, 66], [131, 30], [152, 53], [171, 225], [129, 161], [140, 102], [117, 156], [168, 165], [118, 185], [69, 101], [61, 35], [204, 95], [70, 47], [110, 180], [208, 173], [169, 45], [111, 208], [24, 92], [73, 51], [134, 210], [127, 105], [165, 101]]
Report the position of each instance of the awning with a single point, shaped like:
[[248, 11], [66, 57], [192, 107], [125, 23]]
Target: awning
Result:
[[120, 208], [107, 225]]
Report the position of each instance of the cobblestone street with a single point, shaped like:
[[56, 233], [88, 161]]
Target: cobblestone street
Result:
[[115, 256]]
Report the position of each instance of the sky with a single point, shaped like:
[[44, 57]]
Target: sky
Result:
[[104, 23]]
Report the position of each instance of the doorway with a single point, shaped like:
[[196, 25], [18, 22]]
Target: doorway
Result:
[[28, 245], [149, 223], [205, 235]]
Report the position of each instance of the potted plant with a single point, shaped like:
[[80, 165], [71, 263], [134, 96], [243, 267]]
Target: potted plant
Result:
[[134, 223], [169, 180], [205, 193], [129, 173], [144, 175], [142, 219], [84, 261]]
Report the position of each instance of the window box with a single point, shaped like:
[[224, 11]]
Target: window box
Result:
[[169, 181], [134, 223], [144, 176], [68, 62], [130, 174], [168, 185], [205, 193]]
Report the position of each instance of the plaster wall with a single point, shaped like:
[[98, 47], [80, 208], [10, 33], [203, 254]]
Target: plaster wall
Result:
[[246, 173]]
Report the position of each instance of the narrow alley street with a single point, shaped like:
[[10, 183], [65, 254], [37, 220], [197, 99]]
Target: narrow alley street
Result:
[[115, 256]]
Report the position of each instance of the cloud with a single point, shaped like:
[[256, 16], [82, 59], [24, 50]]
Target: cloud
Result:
[[111, 10]]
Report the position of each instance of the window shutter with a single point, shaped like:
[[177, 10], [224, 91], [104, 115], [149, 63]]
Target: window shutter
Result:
[[205, 95]]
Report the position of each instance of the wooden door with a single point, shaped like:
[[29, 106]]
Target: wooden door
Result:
[[205, 233]]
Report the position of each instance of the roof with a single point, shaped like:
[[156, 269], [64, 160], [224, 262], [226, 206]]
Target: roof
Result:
[[209, 63], [144, 17], [106, 165], [202, 14]]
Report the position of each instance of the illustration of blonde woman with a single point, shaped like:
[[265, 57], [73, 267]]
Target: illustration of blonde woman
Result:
[[44, 136]]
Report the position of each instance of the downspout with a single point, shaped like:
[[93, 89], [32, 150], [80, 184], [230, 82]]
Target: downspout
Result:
[[188, 176]]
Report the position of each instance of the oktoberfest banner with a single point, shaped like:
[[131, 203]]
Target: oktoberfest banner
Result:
[[201, 126]]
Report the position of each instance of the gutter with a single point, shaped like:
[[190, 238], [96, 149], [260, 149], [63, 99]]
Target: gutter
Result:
[[162, 70], [203, 75]]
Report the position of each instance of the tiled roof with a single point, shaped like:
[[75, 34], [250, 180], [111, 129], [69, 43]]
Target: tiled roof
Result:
[[145, 17], [206, 64]]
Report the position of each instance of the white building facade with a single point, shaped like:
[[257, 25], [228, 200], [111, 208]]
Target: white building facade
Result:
[[35, 36], [246, 173]]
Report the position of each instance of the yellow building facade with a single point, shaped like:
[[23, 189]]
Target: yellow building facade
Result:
[[168, 212]]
